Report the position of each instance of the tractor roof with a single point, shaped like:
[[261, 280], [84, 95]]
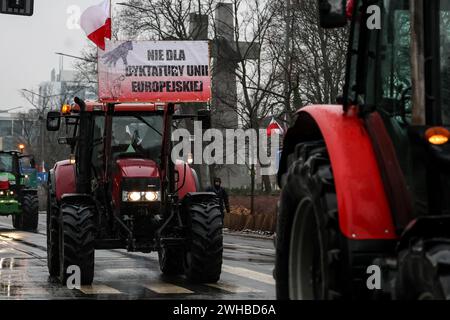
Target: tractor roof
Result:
[[124, 107], [13, 152]]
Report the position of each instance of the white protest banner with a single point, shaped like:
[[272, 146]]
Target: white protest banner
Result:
[[154, 71]]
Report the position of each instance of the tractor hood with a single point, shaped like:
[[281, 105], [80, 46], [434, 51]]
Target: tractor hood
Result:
[[137, 168]]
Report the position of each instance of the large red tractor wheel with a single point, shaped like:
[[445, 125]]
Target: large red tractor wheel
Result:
[[203, 262], [52, 235], [29, 217], [309, 256], [77, 238]]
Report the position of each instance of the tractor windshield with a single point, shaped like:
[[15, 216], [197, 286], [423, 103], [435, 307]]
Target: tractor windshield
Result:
[[27, 163], [6, 162], [137, 134], [390, 62]]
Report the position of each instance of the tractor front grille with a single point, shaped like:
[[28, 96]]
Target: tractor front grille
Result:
[[140, 184]]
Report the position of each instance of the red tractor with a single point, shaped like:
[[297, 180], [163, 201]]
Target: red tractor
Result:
[[365, 205], [120, 189]]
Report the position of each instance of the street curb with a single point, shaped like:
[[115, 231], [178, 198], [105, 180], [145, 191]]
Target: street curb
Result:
[[248, 235]]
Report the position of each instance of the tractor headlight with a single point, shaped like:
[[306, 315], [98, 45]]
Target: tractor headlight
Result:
[[135, 196], [152, 196], [7, 193]]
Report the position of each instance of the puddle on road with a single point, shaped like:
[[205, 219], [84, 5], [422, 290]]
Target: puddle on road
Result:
[[12, 263], [10, 279]]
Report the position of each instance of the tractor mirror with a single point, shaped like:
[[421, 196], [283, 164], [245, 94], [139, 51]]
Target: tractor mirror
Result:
[[53, 121], [205, 117], [332, 13]]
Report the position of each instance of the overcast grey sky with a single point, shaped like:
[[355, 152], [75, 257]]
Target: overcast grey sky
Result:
[[28, 46]]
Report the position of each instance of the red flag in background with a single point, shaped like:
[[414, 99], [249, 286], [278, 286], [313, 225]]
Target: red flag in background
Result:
[[274, 127], [96, 23]]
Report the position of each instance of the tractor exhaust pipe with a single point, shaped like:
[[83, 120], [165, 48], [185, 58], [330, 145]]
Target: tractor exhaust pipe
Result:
[[84, 151]]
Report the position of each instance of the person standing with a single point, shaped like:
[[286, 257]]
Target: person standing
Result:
[[221, 195]]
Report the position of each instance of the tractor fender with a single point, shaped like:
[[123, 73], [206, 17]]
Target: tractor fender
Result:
[[77, 198], [29, 191], [363, 207], [187, 181], [198, 197], [63, 179]]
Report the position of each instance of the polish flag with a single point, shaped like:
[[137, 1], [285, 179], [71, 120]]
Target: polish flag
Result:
[[96, 23], [274, 127]]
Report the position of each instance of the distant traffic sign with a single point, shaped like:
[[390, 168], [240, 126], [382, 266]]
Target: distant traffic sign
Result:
[[17, 7]]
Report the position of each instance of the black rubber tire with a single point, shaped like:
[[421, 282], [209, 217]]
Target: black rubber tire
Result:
[[77, 241], [424, 272], [310, 181], [17, 221], [203, 263], [171, 261], [29, 218], [52, 235]]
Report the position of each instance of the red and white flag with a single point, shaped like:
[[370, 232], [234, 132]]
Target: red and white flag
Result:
[[274, 127], [96, 23]]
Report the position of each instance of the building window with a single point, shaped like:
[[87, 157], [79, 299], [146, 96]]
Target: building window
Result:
[[18, 127], [5, 128]]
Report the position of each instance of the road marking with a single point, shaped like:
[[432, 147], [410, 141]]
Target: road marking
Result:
[[167, 288], [34, 292], [129, 273], [232, 288], [244, 247], [99, 289], [254, 275]]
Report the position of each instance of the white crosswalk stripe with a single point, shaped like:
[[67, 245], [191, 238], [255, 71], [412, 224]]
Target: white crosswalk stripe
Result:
[[244, 247], [232, 288], [161, 287], [167, 288], [99, 289], [247, 273]]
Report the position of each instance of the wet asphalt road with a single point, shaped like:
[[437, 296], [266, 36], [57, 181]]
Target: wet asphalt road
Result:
[[246, 272]]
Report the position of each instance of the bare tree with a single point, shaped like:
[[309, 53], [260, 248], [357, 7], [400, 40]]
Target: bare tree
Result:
[[43, 144], [86, 68], [159, 19]]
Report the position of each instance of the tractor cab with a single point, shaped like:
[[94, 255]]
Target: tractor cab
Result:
[[399, 69], [9, 173]]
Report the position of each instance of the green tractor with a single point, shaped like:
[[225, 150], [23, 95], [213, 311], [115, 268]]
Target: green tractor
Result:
[[18, 190]]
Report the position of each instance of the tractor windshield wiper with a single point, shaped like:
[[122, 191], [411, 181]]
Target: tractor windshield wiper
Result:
[[148, 124]]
